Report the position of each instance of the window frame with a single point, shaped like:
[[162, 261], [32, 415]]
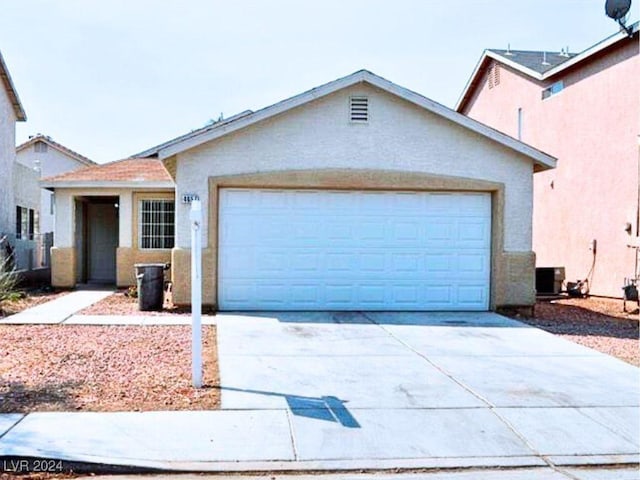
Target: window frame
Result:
[[554, 89], [163, 235], [27, 223]]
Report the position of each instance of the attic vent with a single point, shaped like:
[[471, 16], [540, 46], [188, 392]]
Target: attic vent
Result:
[[493, 77], [359, 109], [40, 147]]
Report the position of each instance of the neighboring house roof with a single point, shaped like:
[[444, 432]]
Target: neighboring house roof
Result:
[[11, 91], [245, 119], [61, 148], [537, 61], [530, 63], [130, 172]]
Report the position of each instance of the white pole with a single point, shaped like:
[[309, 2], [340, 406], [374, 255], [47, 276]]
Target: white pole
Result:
[[196, 293]]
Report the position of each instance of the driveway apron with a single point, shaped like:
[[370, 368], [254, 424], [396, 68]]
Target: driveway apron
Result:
[[393, 386]]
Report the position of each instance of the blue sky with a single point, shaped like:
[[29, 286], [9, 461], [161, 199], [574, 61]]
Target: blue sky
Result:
[[112, 78]]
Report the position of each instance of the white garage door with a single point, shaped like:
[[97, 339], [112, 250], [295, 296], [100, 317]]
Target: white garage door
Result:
[[351, 250]]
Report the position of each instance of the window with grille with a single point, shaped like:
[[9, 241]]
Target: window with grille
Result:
[[359, 109], [157, 227]]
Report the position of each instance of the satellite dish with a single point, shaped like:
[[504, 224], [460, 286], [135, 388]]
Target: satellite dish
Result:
[[617, 9]]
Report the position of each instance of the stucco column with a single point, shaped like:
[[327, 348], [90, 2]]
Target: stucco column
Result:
[[125, 220], [63, 253]]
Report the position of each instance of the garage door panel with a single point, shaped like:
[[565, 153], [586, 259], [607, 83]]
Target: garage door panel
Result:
[[306, 249]]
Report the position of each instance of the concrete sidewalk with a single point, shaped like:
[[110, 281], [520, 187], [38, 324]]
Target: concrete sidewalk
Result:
[[64, 310], [540, 473], [136, 320], [58, 310]]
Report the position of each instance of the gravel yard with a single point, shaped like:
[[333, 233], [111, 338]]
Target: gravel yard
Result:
[[103, 368], [121, 304], [597, 323]]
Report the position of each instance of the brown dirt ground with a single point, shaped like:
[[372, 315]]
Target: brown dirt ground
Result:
[[29, 298], [597, 323], [103, 368]]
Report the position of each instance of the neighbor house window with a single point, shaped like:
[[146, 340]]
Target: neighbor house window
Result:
[[157, 223], [553, 89], [27, 221]]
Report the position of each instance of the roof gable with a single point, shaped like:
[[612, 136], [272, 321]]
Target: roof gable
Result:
[[57, 146], [530, 63], [11, 91], [217, 130]]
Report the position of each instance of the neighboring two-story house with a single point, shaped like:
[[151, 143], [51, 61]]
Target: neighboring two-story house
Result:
[[47, 157], [583, 109], [18, 184]]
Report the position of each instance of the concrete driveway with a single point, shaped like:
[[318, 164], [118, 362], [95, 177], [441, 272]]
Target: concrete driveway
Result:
[[429, 389]]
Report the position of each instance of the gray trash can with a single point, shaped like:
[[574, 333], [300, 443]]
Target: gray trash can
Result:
[[150, 277]]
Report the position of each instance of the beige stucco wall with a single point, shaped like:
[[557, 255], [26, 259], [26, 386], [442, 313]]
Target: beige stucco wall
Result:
[[402, 147], [399, 137], [512, 272], [127, 257], [128, 252], [63, 267]]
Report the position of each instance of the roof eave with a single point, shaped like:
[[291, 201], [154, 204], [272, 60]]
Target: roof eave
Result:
[[466, 92], [263, 114], [486, 55], [52, 185], [598, 47], [20, 114], [545, 161]]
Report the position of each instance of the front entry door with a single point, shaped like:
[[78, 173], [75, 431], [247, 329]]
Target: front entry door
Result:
[[102, 219]]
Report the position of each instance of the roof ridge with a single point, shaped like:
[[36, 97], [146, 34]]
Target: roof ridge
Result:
[[154, 150], [40, 137]]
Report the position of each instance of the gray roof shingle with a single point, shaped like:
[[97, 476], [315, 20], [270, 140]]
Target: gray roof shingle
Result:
[[533, 59]]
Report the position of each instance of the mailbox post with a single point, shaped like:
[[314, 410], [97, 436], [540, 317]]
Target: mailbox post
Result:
[[196, 293]]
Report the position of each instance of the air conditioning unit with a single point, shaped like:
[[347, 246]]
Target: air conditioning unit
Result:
[[549, 280]]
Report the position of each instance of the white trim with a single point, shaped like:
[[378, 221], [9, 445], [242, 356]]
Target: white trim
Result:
[[591, 50], [549, 73], [107, 184], [542, 159]]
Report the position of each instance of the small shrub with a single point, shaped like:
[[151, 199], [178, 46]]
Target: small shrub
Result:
[[8, 281], [131, 292]]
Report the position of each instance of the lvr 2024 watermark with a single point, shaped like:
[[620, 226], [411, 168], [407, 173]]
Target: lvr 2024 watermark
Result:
[[31, 465]]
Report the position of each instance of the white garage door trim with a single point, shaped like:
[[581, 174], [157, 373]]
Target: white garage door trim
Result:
[[292, 249]]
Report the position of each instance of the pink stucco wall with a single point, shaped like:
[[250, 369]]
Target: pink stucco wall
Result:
[[592, 127]]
